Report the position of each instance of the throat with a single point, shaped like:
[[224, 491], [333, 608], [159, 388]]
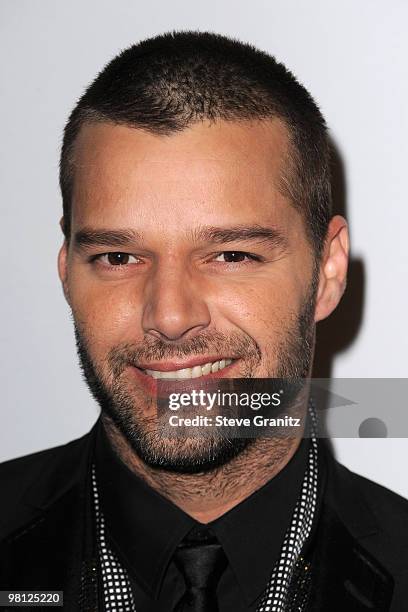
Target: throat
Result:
[[208, 495]]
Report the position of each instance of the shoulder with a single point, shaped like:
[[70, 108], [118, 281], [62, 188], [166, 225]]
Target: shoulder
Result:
[[17, 474], [379, 497], [366, 505], [31, 482]]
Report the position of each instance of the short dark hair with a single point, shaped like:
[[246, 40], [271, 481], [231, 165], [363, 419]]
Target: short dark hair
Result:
[[167, 83]]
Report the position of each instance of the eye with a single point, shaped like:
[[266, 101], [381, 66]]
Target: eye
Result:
[[117, 259], [235, 257]]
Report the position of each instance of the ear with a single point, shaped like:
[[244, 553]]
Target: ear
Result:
[[63, 267], [333, 268]]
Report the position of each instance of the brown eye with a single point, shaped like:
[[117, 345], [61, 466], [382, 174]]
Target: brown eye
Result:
[[118, 259], [233, 256]]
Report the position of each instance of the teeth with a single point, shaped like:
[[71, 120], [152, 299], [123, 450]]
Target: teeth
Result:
[[194, 372], [206, 369], [186, 373]]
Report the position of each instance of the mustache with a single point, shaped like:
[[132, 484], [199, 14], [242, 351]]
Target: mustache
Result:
[[156, 349]]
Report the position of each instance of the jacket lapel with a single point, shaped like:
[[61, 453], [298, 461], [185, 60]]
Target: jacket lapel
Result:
[[345, 575], [350, 566]]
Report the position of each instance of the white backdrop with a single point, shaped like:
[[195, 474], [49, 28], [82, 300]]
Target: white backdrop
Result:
[[351, 55]]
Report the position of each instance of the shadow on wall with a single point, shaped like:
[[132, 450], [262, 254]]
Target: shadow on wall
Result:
[[338, 332]]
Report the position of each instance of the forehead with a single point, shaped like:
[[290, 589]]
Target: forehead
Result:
[[211, 169]]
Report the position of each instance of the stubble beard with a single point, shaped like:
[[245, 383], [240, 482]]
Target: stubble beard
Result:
[[134, 413]]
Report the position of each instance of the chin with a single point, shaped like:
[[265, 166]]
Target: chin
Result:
[[186, 455]]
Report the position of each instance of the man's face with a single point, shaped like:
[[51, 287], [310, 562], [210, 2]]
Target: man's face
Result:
[[185, 261]]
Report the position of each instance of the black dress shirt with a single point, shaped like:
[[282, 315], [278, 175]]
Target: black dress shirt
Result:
[[144, 528]]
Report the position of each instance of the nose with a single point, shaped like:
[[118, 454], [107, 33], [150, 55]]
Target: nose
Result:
[[175, 307]]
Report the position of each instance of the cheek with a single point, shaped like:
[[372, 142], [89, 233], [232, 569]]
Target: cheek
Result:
[[263, 309], [108, 315]]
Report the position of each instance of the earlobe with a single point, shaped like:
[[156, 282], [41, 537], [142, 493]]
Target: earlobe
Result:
[[333, 268]]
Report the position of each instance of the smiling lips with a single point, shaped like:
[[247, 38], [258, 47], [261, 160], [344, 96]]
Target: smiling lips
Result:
[[186, 373]]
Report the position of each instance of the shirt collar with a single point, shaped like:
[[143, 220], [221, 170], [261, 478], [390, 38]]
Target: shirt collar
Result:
[[145, 528]]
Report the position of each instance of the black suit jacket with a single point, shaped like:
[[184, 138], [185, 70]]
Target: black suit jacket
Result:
[[359, 558]]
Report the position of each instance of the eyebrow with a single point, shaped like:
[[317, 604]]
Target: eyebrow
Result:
[[275, 238], [89, 237], [255, 233]]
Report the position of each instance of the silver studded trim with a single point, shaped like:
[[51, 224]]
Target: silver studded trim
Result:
[[117, 593], [276, 594]]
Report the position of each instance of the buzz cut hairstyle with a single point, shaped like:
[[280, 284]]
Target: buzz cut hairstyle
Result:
[[165, 84]]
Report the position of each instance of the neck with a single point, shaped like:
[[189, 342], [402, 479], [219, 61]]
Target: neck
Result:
[[208, 495]]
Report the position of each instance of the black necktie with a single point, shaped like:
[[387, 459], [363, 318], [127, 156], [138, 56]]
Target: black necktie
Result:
[[201, 560]]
